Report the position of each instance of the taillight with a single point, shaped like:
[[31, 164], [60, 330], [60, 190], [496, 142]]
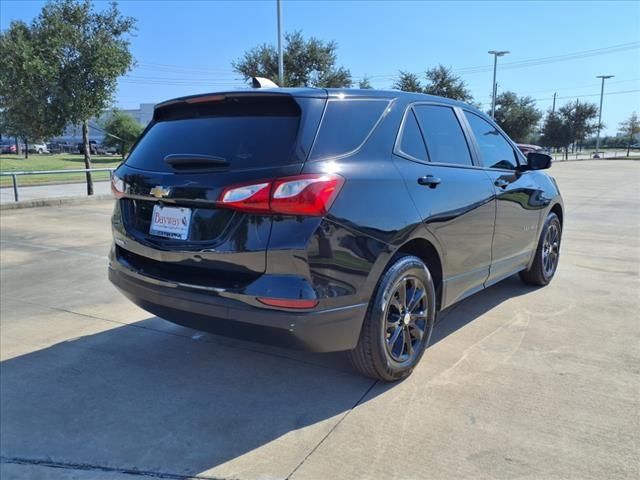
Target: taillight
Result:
[[253, 198], [308, 195], [117, 186]]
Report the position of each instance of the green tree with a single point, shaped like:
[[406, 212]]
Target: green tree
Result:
[[518, 116], [408, 82], [443, 82], [581, 120], [365, 83], [86, 50], [307, 63], [26, 82], [556, 132], [629, 129], [122, 130]]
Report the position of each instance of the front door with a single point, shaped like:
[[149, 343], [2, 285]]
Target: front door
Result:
[[518, 205]]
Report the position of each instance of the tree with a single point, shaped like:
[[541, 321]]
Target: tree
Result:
[[570, 125], [407, 82], [443, 82], [517, 116], [86, 51], [25, 87], [364, 83], [307, 63], [556, 132], [122, 130], [629, 129], [580, 119]]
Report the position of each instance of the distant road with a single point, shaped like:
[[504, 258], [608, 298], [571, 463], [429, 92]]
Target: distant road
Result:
[[53, 191]]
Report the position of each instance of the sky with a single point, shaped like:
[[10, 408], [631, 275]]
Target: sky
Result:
[[186, 47]]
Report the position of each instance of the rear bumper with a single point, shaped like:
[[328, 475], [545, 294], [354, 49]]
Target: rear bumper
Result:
[[334, 329]]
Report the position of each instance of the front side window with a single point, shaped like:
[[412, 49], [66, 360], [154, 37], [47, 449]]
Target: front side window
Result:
[[495, 151], [443, 135]]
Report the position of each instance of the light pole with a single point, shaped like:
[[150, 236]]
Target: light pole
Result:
[[603, 77], [280, 57], [496, 54]]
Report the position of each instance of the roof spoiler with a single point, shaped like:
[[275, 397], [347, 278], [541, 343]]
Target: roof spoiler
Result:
[[261, 82]]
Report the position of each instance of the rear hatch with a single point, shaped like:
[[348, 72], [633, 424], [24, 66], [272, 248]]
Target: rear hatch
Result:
[[192, 150]]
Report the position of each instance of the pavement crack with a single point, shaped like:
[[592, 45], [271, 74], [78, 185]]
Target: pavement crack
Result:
[[362, 397], [102, 468]]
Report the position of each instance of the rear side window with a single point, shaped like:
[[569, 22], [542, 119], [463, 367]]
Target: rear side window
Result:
[[495, 151], [245, 134], [346, 125], [443, 135], [411, 142]]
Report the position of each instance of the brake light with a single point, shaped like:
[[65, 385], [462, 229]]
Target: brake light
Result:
[[308, 195], [117, 186]]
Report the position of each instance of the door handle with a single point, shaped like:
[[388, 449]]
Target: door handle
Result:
[[501, 182], [429, 181]]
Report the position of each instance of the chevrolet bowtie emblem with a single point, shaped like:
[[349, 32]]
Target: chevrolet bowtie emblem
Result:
[[160, 192]]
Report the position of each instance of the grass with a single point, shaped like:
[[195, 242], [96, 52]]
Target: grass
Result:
[[62, 161]]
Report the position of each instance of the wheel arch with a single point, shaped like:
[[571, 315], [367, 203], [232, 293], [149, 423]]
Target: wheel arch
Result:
[[427, 252], [557, 209]]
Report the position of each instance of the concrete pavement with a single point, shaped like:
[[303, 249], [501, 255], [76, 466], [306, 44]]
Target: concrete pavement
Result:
[[36, 192], [519, 382]]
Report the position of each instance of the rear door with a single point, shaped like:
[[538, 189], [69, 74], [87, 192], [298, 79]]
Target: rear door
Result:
[[191, 151], [454, 196], [519, 199]]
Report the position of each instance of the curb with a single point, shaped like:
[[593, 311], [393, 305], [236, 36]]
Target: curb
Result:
[[55, 202]]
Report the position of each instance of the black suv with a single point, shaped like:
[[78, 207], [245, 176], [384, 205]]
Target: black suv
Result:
[[327, 219]]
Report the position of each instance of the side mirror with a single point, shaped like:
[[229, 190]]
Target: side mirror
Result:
[[538, 161]]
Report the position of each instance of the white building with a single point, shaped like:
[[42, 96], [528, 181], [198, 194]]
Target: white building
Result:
[[73, 133]]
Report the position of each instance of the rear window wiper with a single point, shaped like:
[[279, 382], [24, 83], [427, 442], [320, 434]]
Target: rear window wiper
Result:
[[192, 161]]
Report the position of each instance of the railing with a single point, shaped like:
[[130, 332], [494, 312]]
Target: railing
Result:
[[14, 175]]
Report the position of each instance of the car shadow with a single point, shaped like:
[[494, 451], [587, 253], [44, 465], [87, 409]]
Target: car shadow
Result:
[[457, 316], [160, 398]]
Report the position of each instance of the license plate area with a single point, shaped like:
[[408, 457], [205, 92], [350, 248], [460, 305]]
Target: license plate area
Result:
[[170, 222]]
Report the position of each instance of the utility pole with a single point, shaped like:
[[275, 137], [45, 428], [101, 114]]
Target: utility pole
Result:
[[280, 56], [553, 108], [496, 54], [603, 77]]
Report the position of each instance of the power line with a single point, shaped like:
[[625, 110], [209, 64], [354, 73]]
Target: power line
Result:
[[555, 58], [533, 61]]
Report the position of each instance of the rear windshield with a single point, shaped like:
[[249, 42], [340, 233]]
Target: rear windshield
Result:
[[247, 134]]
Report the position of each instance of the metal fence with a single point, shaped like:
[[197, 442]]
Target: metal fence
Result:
[[14, 175]]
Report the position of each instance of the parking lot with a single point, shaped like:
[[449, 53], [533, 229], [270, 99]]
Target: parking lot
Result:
[[519, 382]]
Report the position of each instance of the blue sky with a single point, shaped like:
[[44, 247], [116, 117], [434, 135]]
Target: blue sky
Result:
[[186, 47]]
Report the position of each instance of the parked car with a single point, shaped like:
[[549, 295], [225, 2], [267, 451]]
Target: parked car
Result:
[[8, 148], [40, 148], [55, 147], [94, 148], [526, 148], [327, 219]]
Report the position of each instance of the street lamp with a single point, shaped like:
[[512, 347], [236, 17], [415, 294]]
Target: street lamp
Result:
[[280, 56], [496, 54], [603, 77]]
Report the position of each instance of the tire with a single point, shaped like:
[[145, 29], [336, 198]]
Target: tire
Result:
[[547, 256], [377, 354]]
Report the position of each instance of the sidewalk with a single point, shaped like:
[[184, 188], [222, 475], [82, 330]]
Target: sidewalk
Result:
[[53, 191]]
